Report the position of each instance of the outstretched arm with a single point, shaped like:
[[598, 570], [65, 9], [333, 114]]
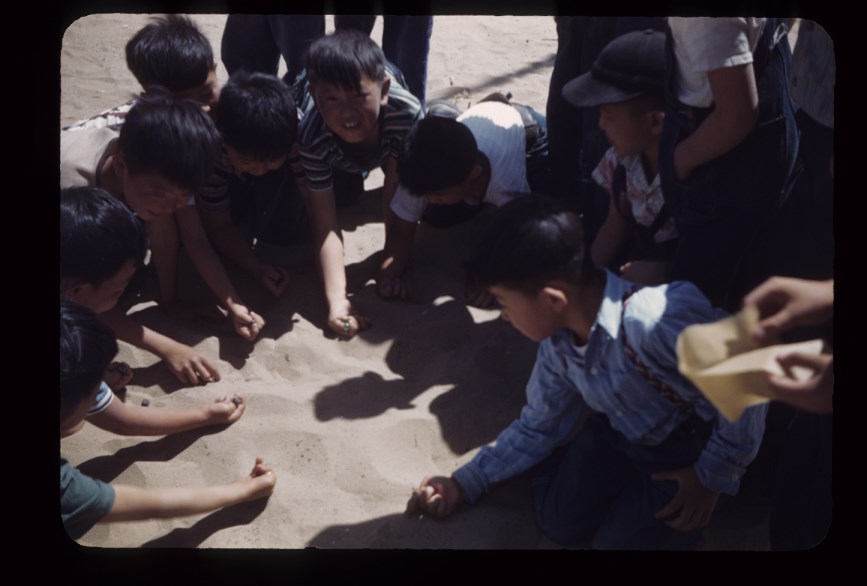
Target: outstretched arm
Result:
[[188, 365], [228, 241], [125, 419], [246, 323], [342, 317], [134, 503]]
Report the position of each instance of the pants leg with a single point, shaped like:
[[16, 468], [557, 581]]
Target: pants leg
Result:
[[574, 487], [292, 34], [247, 43], [406, 43]]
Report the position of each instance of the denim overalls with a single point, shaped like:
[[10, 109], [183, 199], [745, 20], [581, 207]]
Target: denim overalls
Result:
[[726, 204]]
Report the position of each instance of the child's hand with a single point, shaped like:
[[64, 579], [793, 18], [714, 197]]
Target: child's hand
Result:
[[117, 375], [343, 319], [392, 288], [785, 303], [226, 410], [437, 495], [247, 324], [693, 501], [189, 366], [813, 394], [274, 279], [260, 483]]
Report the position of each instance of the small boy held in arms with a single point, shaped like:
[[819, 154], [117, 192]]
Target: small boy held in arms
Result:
[[87, 347], [164, 152], [638, 237], [647, 467], [102, 244], [455, 164], [254, 185], [361, 116], [171, 54]]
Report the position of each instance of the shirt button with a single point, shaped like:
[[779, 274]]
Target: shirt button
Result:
[[593, 370], [619, 413]]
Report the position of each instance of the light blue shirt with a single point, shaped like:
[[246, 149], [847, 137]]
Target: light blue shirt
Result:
[[603, 378]]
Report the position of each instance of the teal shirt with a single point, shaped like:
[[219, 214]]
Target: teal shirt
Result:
[[83, 500]]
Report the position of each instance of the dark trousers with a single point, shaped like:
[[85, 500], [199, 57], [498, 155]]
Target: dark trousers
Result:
[[598, 486]]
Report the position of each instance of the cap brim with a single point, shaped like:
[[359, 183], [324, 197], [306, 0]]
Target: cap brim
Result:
[[586, 91]]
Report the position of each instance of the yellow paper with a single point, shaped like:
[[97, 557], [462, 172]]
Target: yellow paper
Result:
[[727, 365]]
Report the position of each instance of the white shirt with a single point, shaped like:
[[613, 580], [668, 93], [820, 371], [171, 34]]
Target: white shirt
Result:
[[703, 44], [499, 133]]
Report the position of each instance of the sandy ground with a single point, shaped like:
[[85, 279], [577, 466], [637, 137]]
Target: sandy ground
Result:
[[348, 427]]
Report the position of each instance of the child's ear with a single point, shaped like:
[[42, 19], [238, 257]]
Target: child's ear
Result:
[[556, 298], [118, 163], [70, 288], [475, 172], [657, 119], [386, 83]]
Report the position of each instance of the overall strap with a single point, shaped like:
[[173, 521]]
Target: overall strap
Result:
[[654, 381]]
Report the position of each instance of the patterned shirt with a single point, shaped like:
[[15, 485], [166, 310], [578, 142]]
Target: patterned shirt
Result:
[[604, 379], [321, 150], [112, 118], [645, 200]]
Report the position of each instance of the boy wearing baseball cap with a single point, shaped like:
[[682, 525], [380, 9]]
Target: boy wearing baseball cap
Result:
[[626, 82]]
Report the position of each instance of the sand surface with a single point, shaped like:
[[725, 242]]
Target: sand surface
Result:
[[348, 427]]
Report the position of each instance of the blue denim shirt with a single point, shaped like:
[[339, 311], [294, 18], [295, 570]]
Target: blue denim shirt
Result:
[[604, 379]]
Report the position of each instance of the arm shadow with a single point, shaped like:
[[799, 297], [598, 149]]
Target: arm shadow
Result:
[[109, 467], [240, 514]]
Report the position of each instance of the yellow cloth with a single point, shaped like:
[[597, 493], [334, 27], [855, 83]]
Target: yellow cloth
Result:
[[726, 364]]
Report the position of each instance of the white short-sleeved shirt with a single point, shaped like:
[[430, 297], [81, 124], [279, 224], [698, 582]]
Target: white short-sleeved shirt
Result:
[[499, 133], [83, 153], [703, 44]]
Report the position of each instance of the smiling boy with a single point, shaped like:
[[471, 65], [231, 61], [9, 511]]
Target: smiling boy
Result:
[[361, 116], [647, 467]]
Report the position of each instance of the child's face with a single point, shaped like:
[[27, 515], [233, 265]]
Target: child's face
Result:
[[208, 94], [100, 298], [255, 167], [149, 195], [628, 133], [354, 117], [530, 313]]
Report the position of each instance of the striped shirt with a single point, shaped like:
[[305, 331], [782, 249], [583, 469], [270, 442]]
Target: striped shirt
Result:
[[321, 150]]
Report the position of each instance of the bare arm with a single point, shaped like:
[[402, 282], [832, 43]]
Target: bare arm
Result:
[[735, 113], [247, 323], [162, 232], [229, 242], [611, 238], [186, 364], [125, 419], [395, 257], [329, 246], [134, 503]]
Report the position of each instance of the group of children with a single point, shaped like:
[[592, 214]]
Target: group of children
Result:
[[265, 159]]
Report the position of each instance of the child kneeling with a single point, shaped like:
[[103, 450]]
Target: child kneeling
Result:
[[647, 467]]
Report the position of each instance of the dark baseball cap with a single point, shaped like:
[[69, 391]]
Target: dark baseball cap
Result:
[[631, 65]]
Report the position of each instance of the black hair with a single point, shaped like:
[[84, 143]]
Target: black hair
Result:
[[98, 234], [647, 102], [87, 346], [437, 153], [256, 115], [170, 52], [169, 137], [531, 241], [343, 58]]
